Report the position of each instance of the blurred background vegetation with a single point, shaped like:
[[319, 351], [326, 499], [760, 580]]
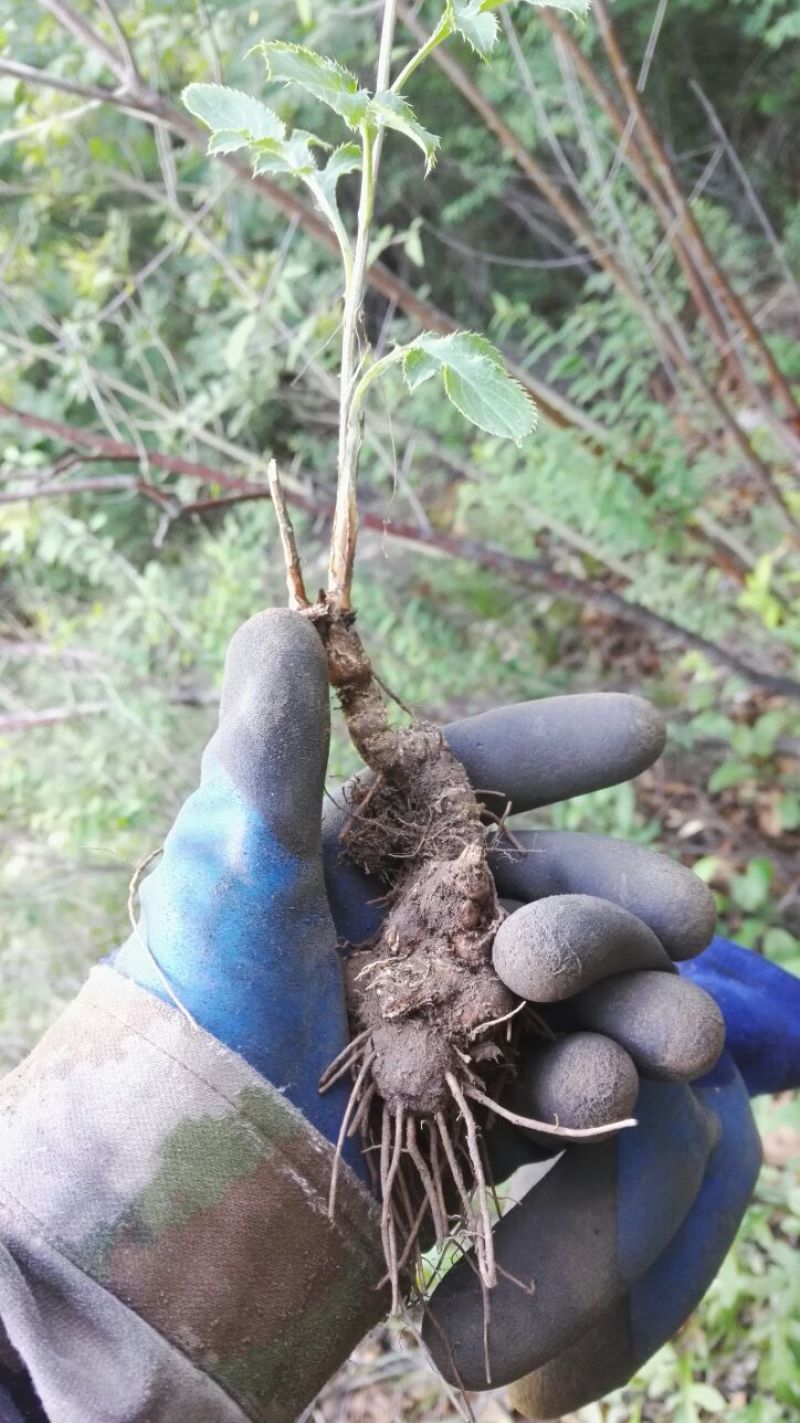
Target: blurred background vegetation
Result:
[[630, 238]]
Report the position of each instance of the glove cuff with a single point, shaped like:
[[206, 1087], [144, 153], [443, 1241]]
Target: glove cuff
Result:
[[187, 1187]]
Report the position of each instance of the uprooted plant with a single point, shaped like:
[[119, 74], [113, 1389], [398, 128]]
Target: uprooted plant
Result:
[[434, 1029]]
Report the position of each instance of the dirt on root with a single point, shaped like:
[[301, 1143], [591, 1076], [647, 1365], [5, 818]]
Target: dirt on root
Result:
[[428, 1012]]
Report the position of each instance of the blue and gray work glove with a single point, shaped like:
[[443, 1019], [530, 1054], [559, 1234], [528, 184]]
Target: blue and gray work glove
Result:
[[242, 918]]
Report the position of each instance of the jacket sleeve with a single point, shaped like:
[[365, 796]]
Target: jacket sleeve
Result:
[[165, 1248]]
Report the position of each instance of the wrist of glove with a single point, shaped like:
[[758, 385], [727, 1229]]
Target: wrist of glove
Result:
[[242, 919]]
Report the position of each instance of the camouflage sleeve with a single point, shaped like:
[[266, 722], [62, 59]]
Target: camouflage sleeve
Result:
[[165, 1249]]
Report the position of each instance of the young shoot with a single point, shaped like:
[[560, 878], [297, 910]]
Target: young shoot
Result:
[[473, 372]]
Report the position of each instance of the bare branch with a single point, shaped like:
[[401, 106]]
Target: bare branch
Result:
[[51, 716], [123, 42], [678, 344], [668, 335], [55, 716], [83, 31], [711, 272], [531, 573], [298, 598], [751, 194], [41, 77], [114, 449], [77, 486]]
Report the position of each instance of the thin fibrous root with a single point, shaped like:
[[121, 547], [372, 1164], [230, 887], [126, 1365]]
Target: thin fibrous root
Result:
[[389, 1168], [439, 1221], [360, 1118], [548, 1128], [472, 1223], [347, 1052], [495, 1022], [479, 1178], [436, 1176], [353, 1099], [411, 1242]]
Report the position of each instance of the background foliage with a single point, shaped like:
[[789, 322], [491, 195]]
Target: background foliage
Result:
[[156, 298]]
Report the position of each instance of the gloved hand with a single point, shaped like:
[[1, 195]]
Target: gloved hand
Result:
[[235, 915], [761, 1006], [627, 1235], [621, 1240], [237, 920]]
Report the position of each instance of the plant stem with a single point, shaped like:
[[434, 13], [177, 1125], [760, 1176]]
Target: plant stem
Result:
[[373, 373], [443, 31], [345, 521]]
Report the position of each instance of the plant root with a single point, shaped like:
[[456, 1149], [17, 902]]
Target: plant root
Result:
[[435, 1031]]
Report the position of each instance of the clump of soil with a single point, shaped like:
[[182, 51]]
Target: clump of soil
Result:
[[433, 1026]]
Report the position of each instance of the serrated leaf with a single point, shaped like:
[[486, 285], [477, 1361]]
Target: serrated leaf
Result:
[[475, 380], [388, 110], [344, 159], [475, 24], [292, 154], [236, 119], [319, 76], [575, 7]]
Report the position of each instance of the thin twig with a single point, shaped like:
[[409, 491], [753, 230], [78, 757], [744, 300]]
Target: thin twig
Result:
[[532, 573], [749, 190], [298, 598], [694, 236]]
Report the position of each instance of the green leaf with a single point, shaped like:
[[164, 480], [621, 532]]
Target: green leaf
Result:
[[475, 380], [575, 7], [475, 24], [708, 1397], [319, 76], [388, 110], [235, 119], [731, 773], [286, 155], [780, 945], [344, 159], [751, 890]]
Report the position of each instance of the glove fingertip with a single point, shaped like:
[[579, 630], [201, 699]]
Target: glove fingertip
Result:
[[274, 724], [272, 647]]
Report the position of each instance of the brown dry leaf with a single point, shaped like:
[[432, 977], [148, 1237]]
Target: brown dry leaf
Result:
[[768, 814], [781, 1145]]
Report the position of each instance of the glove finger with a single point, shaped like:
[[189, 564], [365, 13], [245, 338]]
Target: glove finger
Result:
[[581, 1080], [673, 1030], [555, 947], [235, 913], [761, 1006], [274, 725], [570, 1250], [673, 902], [660, 1300], [537, 753]]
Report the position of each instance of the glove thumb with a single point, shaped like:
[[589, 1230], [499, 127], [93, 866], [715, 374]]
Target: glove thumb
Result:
[[235, 915]]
